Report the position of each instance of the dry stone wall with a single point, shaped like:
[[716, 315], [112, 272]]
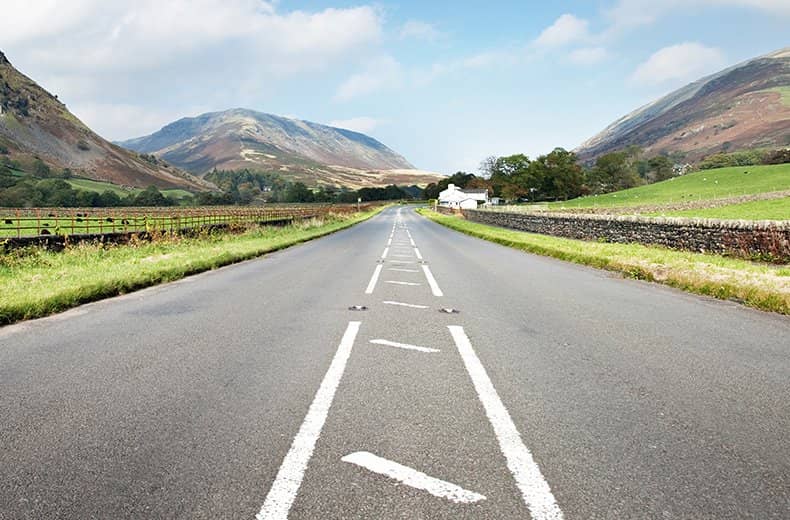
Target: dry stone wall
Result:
[[764, 240]]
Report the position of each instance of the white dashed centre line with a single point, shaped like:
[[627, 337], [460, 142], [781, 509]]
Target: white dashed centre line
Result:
[[432, 281], [385, 253], [374, 279], [534, 489], [417, 252], [412, 305], [286, 485], [395, 282]]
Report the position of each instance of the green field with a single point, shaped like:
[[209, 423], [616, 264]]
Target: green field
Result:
[[703, 185], [775, 209], [784, 91], [99, 187], [36, 282]]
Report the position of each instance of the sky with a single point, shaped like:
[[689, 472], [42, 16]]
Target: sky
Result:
[[445, 84]]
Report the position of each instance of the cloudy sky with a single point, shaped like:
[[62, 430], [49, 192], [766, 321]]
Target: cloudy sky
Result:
[[444, 83]]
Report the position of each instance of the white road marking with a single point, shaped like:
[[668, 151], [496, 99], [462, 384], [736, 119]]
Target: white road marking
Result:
[[412, 241], [432, 281], [402, 270], [286, 485], [403, 345], [400, 262], [534, 489], [412, 477], [395, 282], [384, 254], [417, 252], [374, 279], [413, 306], [389, 242], [403, 256]]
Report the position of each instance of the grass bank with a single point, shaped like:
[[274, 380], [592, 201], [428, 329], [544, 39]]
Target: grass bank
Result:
[[761, 286], [718, 183], [35, 282], [774, 209]]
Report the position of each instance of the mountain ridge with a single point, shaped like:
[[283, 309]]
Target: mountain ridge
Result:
[[36, 125], [302, 150], [730, 109]]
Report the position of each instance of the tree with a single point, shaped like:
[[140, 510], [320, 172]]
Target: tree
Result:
[[659, 168], [151, 196], [40, 168], [562, 177], [613, 172]]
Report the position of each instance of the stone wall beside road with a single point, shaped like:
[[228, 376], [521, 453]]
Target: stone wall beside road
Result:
[[747, 239]]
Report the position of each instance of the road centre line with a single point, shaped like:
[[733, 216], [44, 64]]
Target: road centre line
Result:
[[374, 279], [412, 477], [289, 478], [417, 252], [403, 256], [402, 270], [395, 282], [384, 254], [432, 281], [389, 242], [412, 305], [412, 242], [534, 489], [405, 346]]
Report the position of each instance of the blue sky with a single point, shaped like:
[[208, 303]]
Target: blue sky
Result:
[[444, 83]]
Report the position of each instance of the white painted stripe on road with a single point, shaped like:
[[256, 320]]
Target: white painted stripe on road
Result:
[[374, 279], [417, 252], [412, 477], [389, 242], [432, 281], [402, 256], [412, 241], [385, 253], [400, 262], [534, 489], [395, 282], [402, 270], [405, 346], [413, 306], [286, 485]]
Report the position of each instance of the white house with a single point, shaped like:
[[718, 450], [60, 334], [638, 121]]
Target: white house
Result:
[[454, 197]]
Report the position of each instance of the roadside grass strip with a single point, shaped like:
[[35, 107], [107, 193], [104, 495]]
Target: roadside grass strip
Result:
[[762, 286], [35, 282]]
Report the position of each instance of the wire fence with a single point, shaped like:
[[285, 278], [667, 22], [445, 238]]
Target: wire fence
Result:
[[37, 222]]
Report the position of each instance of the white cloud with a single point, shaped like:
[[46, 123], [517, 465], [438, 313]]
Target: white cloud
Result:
[[588, 55], [357, 124], [677, 63], [379, 73], [178, 53], [418, 30], [633, 13], [566, 29]]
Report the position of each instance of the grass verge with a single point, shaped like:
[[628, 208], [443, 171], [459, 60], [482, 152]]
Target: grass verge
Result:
[[760, 286], [35, 282]]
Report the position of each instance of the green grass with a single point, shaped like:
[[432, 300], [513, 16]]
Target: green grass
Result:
[[784, 91], [757, 285], [774, 209], [35, 282], [703, 185]]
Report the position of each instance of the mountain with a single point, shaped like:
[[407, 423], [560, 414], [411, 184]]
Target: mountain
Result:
[[745, 106], [298, 150], [34, 124]]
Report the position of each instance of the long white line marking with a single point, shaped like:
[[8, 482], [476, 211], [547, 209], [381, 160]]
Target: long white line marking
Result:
[[402, 270], [389, 242], [402, 256], [412, 477], [417, 252], [401, 262], [403, 345], [412, 242], [395, 282], [534, 489], [432, 281], [374, 279], [286, 485], [413, 306], [385, 253]]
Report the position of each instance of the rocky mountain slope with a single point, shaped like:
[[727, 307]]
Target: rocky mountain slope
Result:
[[35, 124], [298, 150], [745, 106]]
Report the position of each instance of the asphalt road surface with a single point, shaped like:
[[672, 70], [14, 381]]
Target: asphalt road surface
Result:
[[556, 391]]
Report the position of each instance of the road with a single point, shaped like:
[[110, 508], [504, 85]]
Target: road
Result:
[[556, 391]]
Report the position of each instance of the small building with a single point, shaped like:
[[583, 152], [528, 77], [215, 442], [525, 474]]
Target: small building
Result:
[[455, 197]]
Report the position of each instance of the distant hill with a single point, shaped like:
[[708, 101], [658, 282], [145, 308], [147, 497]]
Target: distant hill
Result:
[[35, 124], [298, 150], [745, 106]]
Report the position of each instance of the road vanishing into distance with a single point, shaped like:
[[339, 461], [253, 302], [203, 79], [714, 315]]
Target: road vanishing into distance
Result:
[[556, 391]]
